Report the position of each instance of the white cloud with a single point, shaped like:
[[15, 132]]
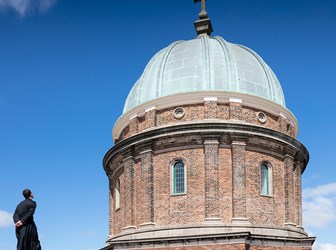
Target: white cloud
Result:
[[45, 5], [19, 6], [322, 246], [319, 205], [6, 219], [22, 7], [323, 190]]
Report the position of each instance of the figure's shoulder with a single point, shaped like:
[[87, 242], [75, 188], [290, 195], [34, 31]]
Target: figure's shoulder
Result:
[[29, 202], [21, 203], [32, 202]]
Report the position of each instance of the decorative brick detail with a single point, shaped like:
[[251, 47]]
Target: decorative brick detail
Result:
[[223, 111], [210, 109], [236, 111], [225, 184], [250, 115], [191, 113], [150, 118], [298, 194], [211, 178], [285, 126], [282, 121], [111, 212], [289, 190], [142, 123], [133, 126], [147, 184], [129, 186], [239, 179]]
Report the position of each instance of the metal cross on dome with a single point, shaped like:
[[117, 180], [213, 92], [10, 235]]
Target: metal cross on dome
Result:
[[203, 4], [203, 13], [203, 25]]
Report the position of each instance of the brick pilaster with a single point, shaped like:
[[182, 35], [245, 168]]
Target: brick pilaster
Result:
[[133, 125], [289, 191], [111, 202], [235, 109], [147, 185], [128, 190], [238, 181], [150, 118], [298, 194], [282, 124], [211, 145], [111, 212], [210, 108]]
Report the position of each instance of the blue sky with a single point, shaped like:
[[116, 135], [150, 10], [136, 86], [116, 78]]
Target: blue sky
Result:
[[66, 68]]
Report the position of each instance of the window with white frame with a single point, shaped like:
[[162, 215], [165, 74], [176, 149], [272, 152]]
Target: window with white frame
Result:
[[117, 194], [178, 173], [265, 179]]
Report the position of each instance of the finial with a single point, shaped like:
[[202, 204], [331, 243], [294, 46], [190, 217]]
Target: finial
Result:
[[203, 14], [203, 26]]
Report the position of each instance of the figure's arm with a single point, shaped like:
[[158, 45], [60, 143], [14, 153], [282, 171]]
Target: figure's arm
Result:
[[16, 216], [30, 213]]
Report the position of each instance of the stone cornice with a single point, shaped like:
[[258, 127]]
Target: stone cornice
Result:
[[204, 233], [219, 128]]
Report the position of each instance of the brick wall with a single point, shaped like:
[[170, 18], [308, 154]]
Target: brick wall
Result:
[[271, 208], [179, 209], [222, 172], [204, 111], [223, 181]]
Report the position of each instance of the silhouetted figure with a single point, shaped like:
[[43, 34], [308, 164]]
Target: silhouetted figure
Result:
[[26, 231]]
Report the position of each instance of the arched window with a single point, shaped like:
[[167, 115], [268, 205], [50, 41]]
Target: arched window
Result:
[[265, 179], [178, 178], [117, 194]]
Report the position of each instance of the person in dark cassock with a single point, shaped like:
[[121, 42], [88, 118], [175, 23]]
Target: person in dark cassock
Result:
[[26, 230]]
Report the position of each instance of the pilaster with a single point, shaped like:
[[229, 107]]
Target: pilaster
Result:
[[147, 185], [238, 147], [133, 125], [235, 109], [298, 194], [210, 108], [289, 191], [150, 118], [282, 123], [111, 212], [129, 194], [211, 145]]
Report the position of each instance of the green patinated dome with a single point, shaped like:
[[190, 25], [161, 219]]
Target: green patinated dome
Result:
[[205, 64]]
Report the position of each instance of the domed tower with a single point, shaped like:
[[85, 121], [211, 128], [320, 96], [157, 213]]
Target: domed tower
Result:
[[205, 154]]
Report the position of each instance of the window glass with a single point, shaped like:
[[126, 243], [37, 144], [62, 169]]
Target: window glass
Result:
[[179, 178], [117, 194], [264, 179]]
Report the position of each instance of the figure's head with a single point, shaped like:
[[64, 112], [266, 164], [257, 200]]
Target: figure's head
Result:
[[27, 193]]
